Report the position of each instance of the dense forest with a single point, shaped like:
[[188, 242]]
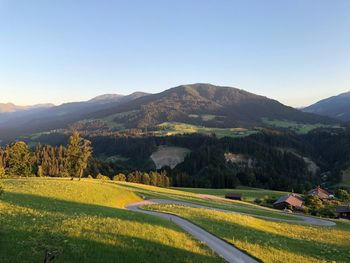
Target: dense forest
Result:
[[269, 159]]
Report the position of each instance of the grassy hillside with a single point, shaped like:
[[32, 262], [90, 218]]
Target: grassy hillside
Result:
[[248, 194], [85, 222], [174, 128], [300, 128], [152, 192], [271, 241]]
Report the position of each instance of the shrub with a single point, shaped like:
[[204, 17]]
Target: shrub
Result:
[[119, 177], [271, 200], [2, 172], [40, 171], [258, 201], [343, 195], [1, 189], [89, 176], [102, 177]]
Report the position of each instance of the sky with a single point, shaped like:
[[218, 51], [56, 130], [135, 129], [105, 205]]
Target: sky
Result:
[[295, 51]]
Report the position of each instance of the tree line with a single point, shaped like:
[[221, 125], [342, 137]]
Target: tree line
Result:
[[154, 178], [18, 160], [74, 160]]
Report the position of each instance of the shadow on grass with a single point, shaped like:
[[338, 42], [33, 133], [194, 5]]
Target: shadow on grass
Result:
[[25, 240], [32, 247], [74, 209]]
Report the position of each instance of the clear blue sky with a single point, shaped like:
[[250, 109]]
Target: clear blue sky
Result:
[[296, 51]]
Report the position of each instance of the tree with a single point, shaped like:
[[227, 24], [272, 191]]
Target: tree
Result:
[[20, 159], [119, 177], [1, 189], [2, 172], [343, 195], [77, 155], [145, 178], [40, 171]]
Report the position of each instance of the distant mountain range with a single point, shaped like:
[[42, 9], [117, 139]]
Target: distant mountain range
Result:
[[10, 107], [335, 107], [199, 104]]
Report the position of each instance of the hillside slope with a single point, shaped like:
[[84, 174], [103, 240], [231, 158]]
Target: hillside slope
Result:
[[85, 222], [60, 116], [198, 104], [336, 107], [207, 105]]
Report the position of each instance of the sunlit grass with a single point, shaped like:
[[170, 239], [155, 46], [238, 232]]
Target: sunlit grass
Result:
[[151, 192], [174, 128], [271, 241], [85, 222], [248, 194]]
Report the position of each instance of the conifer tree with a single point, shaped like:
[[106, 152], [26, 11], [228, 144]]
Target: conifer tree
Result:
[[77, 155], [20, 159]]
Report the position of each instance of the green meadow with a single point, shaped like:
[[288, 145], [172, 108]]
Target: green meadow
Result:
[[152, 192], [248, 194], [85, 221], [174, 128], [271, 241], [300, 128]]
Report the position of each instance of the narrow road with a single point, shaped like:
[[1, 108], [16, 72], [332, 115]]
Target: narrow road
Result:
[[303, 219], [223, 249]]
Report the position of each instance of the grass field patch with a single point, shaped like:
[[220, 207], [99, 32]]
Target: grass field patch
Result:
[[85, 221], [271, 241]]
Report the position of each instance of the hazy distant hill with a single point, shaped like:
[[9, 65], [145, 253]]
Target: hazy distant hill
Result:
[[10, 111], [59, 116], [335, 107], [199, 104], [10, 107]]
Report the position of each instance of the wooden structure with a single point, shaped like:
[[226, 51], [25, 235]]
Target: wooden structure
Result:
[[234, 196], [343, 211]]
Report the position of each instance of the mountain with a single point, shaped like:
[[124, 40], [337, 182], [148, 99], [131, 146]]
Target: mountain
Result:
[[58, 117], [207, 105], [198, 104], [336, 107], [10, 107], [10, 111]]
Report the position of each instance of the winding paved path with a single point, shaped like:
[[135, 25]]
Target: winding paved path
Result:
[[225, 250]]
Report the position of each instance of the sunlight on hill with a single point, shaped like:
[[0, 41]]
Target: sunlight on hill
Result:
[[83, 222], [271, 241]]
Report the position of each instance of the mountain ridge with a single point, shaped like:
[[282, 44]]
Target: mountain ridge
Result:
[[198, 104], [335, 107]]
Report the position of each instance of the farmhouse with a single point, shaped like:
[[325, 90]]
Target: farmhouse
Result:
[[343, 211], [318, 191], [233, 196], [288, 201]]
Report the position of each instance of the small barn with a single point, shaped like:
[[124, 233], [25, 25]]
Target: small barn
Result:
[[318, 191], [234, 196], [343, 211], [288, 201]]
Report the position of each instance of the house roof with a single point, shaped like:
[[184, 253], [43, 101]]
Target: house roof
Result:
[[343, 209], [319, 192], [290, 199]]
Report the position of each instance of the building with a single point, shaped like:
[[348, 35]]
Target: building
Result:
[[288, 201], [233, 196], [318, 191], [343, 211]]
